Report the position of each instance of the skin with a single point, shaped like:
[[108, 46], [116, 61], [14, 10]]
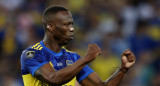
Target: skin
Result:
[[60, 32]]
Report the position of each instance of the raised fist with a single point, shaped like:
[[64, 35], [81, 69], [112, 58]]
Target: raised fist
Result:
[[92, 52], [128, 59]]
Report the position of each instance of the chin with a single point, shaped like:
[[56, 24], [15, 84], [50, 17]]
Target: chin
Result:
[[66, 42]]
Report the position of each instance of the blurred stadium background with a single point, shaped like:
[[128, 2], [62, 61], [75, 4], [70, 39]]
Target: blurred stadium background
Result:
[[115, 25]]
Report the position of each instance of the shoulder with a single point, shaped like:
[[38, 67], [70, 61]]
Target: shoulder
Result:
[[32, 51], [36, 46]]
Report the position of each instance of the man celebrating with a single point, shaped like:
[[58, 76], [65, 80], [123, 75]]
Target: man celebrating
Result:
[[47, 63]]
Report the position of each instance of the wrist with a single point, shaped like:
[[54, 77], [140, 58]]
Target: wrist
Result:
[[85, 60], [124, 70]]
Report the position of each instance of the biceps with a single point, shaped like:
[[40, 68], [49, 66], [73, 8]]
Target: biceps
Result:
[[92, 80]]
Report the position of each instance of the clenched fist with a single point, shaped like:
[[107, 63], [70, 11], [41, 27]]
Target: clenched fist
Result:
[[92, 52], [128, 59]]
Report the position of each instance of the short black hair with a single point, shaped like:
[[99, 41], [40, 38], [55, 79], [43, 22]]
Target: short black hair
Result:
[[51, 10]]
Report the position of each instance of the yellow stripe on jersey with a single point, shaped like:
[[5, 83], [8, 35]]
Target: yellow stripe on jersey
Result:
[[67, 50], [71, 83], [37, 46], [51, 64], [29, 80], [40, 48]]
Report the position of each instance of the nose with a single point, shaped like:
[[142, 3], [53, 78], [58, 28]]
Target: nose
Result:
[[71, 29]]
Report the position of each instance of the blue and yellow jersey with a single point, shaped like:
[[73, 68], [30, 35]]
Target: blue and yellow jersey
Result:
[[37, 55]]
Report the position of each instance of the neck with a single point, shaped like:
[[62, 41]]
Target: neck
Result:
[[52, 44]]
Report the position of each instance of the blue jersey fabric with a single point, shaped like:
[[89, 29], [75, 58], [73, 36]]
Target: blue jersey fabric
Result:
[[39, 57]]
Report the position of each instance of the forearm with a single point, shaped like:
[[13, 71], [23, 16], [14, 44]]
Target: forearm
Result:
[[68, 73], [116, 78]]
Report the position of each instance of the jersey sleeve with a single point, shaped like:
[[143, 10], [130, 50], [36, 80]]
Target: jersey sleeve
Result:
[[31, 60], [84, 72]]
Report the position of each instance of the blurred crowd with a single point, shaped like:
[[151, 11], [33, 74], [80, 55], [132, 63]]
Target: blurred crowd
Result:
[[115, 25]]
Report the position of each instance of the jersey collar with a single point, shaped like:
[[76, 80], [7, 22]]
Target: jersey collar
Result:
[[54, 53]]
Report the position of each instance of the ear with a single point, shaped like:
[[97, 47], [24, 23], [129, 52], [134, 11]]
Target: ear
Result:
[[50, 27]]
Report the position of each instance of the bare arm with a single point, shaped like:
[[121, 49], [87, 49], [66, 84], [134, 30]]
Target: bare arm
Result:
[[128, 59], [116, 78], [47, 72]]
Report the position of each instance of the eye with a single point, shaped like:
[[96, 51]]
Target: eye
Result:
[[70, 23], [65, 24]]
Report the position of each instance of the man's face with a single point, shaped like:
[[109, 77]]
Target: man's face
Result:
[[63, 24]]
